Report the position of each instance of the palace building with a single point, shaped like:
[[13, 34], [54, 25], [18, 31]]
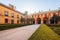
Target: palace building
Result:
[[44, 17], [8, 15]]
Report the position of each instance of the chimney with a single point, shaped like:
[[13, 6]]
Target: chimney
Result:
[[12, 6]]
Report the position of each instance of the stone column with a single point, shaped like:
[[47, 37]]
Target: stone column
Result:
[[49, 22], [41, 21], [35, 21]]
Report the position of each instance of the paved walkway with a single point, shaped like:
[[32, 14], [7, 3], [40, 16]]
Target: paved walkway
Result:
[[22, 33]]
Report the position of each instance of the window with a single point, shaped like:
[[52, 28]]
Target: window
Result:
[[12, 15], [17, 16], [38, 15], [17, 21], [6, 13], [6, 20], [12, 21]]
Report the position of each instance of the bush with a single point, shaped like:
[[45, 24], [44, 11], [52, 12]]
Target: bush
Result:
[[54, 25], [9, 26]]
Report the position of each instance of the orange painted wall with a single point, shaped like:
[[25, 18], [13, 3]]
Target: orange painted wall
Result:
[[2, 16], [49, 14]]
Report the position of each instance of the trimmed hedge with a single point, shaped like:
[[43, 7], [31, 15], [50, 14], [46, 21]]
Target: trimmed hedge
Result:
[[54, 25], [9, 26]]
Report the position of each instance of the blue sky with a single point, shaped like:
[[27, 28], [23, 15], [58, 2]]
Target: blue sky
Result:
[[33, 5]]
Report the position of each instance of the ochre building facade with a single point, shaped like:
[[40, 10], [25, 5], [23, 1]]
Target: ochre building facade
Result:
[[44, 17], [8, 15]]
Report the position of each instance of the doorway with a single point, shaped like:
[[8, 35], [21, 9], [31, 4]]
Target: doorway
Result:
[[38, 20]]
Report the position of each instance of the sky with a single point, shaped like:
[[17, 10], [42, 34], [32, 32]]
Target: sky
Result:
[[33, 6]]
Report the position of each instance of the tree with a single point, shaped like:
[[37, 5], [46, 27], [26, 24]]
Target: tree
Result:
[[30, 20], [58, 20], [55, 18], [26, 17], [26, 13], [22, 20]]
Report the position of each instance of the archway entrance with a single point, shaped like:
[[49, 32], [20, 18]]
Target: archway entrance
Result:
[[45, 20], [33, 21], [38, 20], [51, 21]]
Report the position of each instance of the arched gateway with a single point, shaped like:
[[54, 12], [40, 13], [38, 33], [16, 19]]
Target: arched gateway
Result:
[[38, 21], [33, 21], [45, 20]]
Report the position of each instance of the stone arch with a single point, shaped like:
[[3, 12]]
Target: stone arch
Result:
[[33, 21], [45, 20], [38, 20]]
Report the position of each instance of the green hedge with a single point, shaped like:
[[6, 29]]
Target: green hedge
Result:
[[9, 26], [54, 25]]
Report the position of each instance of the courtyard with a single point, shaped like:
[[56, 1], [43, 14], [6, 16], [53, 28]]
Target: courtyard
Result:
[[21, 33]]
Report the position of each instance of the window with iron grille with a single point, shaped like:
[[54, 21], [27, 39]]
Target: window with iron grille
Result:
[[12, 14], [17, 16], [6, 13], [6, 20]]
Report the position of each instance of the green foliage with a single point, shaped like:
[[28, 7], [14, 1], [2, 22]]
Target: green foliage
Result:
[[26, 13], [55, 18], [53, 25], [44, 33], [22, 20], [9, 26], [30, 20]]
